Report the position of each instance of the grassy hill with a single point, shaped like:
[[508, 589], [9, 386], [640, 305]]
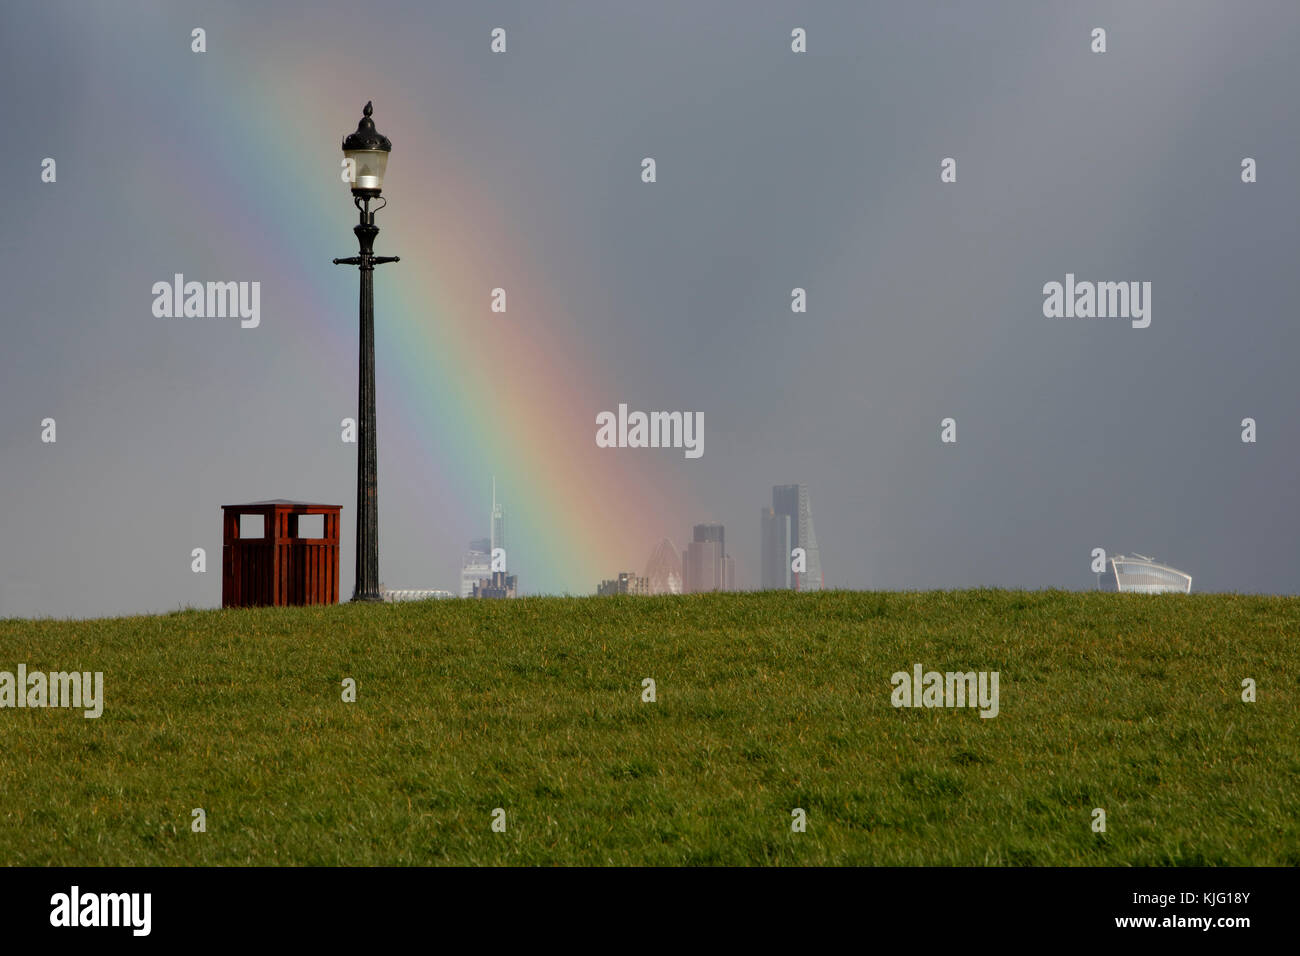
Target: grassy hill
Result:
[[765, 702]]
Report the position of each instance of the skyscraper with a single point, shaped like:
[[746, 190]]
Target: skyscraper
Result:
[[706, 566], [712, 532], [498, 539], [776, 551], [663, 570], [793, 502]]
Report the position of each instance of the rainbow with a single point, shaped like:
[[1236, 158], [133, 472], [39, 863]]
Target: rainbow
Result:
[[437, 343]]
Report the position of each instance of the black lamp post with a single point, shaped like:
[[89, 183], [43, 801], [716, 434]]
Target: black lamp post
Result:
[[368, 152]]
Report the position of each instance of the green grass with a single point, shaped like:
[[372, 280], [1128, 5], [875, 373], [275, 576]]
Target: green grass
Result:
[[766, 702]]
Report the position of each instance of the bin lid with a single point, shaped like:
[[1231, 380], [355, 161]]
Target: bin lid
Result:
[[282, 503]]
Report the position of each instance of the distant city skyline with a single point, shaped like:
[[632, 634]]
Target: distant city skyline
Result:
[[708, 565]]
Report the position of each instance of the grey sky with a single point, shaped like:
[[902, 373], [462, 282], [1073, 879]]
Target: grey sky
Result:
[[776, 170]]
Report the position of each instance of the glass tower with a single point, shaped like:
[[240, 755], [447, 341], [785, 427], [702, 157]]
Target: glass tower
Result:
[[793, 502]]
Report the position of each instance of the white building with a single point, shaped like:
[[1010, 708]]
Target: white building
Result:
[[415, 594], [1142, 574], [476, 566]]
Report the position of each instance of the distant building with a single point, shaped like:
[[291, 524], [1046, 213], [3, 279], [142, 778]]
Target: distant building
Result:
[[476, 572], [496, 585], [625, 583], [793, 502], [702, 567], [498, 538], [415, 594], [776, 575], [1142, 574], [706, 566], [663, 571], [476, 566]]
